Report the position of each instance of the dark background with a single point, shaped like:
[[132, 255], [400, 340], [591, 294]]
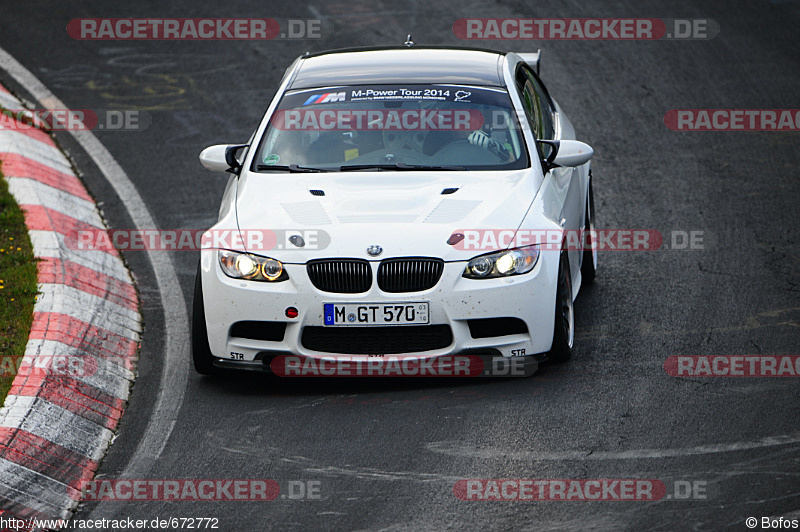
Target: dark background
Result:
[[387, 453]]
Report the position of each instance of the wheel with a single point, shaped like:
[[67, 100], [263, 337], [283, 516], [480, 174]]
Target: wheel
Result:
[[201, 352], [564, 328], [589, 262]]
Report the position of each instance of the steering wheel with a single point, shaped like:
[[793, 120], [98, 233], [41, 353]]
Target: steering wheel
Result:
[[404, 140], [464, 151]]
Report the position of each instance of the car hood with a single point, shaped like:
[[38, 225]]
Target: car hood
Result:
[[405, 213]]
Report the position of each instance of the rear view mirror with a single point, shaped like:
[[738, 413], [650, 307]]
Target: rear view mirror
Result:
[[222, 157], [565, 153]]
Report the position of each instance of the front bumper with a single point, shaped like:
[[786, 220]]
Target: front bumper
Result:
[[454, 302]]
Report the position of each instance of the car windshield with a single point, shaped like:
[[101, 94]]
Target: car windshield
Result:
[[391, 127]]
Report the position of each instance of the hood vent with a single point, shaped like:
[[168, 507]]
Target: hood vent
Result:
[[317, 192], [449, 191], [307, 212], [451, 210]]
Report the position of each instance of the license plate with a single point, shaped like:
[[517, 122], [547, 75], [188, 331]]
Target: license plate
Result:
[[408, 313]]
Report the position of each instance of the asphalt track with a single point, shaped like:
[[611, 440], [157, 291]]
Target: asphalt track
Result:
[[387, 452]]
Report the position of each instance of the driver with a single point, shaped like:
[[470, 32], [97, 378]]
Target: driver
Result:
[[436, 141], [482, 139]]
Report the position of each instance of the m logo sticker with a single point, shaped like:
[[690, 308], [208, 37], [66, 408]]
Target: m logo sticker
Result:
[[328, 97]]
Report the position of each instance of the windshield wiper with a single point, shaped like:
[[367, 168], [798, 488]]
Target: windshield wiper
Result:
[[291, 168], [398, 166]]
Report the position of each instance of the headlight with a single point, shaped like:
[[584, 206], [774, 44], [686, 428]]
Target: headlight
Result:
[[251, 267], [502, 263]]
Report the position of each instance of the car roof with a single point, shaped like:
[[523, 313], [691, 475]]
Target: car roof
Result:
[[389, 65]]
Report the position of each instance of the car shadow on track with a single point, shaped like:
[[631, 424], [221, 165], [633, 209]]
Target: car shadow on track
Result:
[[260, 384]]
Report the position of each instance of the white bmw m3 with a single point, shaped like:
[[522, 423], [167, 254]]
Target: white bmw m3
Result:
[[409, 201]]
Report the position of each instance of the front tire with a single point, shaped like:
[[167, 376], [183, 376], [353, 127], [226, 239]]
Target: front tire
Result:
[[201, 352], [564, 327]]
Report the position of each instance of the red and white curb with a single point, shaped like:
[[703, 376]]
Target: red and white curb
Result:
[[67, 398]]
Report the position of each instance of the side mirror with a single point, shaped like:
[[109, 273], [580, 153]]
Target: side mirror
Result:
[[566, 153], [222, 157]]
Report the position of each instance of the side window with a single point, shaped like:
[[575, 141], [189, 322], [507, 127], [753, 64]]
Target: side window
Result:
[[538, 108]]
